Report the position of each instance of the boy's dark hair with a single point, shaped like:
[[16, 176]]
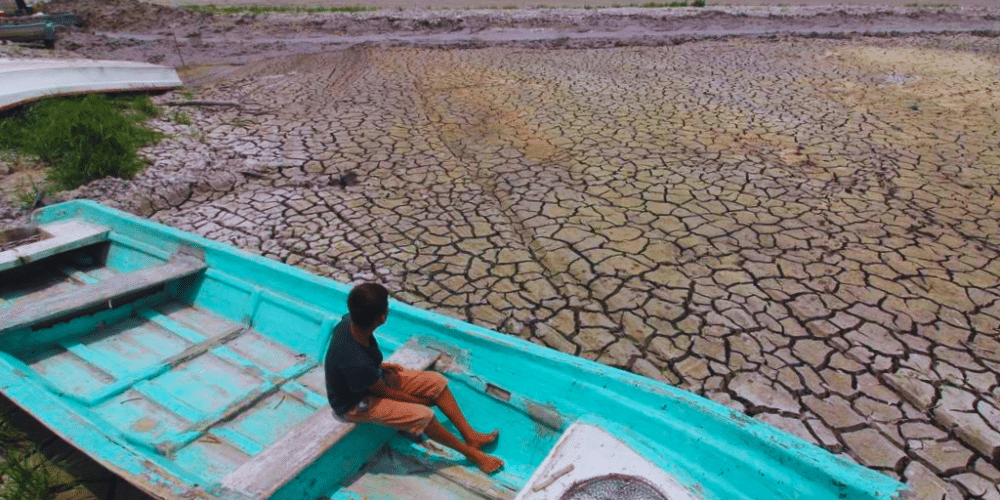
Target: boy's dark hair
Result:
[[367, 303]]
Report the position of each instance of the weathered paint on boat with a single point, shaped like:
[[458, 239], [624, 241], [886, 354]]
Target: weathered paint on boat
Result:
[[112, 384], [26, 80]]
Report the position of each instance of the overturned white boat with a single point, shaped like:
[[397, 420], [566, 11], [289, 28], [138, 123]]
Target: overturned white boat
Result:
[[27, 80]]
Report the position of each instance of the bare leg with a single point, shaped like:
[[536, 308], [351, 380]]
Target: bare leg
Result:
[[446, 401], [486, 463]]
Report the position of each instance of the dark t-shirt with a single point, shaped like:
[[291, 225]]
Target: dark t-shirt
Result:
[[351, 368]]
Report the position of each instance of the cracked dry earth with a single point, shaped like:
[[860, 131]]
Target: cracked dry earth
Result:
[[802, 229]]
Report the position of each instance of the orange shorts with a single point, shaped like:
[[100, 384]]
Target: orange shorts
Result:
[[409, 417]]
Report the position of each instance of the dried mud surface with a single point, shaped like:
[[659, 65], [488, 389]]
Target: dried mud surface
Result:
[[794, 212]]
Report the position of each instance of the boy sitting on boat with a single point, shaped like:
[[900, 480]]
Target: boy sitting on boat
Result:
[[363, 389]]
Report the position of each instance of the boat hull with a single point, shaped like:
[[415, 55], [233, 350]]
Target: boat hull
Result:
[[27, 80], [29, 32], [263, 326]]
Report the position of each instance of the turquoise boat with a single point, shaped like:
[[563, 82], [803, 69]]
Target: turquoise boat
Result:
[[194, 371]]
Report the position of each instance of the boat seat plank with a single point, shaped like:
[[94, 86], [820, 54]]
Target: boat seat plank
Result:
[[279, 463], [63, 237], [89, 296]]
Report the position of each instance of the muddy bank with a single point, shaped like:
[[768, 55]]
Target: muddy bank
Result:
[[509, 4], [130, 15], [178, 37]]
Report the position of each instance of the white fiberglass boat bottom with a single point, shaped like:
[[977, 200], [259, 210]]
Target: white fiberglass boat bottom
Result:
[[26, 80]]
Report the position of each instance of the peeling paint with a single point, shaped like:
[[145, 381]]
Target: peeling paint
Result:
[[144, 424], [545, 414]]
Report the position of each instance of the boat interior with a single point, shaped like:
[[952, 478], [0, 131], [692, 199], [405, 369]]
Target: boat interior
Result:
[[145, 344], [195, 371]]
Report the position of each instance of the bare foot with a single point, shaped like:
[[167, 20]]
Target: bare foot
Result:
[[486, 463], [480, 440]]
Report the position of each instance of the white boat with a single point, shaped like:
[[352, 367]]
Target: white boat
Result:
[[26, 80]]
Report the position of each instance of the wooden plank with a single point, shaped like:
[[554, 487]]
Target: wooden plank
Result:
[[268, 384], [268, 471], [95, 295], [166, 400], [305, 394], [123, 384], [64, 236], [479, 485], [163, 321], [98, 359], [237, 440], [77, 275]]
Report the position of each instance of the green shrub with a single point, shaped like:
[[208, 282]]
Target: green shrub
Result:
[[83, 138]]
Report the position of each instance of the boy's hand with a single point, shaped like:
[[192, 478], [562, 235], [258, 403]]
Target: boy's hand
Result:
[[391, 372]]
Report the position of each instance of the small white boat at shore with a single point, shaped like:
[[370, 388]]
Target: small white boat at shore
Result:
[[27, 80]]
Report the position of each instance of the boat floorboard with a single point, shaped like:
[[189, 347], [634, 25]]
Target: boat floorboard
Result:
[[395, 475], [64, 273], [187, 384], [100, 294]]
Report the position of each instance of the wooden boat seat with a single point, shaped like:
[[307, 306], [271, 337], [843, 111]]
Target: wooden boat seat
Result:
[[279, 463], [100, 295], [61, 237]]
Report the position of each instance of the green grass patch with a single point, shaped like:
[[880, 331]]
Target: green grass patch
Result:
[[83, 138], [282, 9], [24, 474], [28, 194], [180, 118]]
